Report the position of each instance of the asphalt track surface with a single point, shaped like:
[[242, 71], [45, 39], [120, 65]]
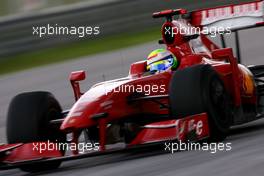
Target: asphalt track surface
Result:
[[246, 157]]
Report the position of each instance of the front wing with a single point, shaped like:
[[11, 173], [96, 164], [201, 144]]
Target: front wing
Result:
[[193, 128]]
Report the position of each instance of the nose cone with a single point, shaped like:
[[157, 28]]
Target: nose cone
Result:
[[80, 114], [78, 119], [93, 102]]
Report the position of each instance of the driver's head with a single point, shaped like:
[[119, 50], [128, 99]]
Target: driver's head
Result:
[[160, 60]]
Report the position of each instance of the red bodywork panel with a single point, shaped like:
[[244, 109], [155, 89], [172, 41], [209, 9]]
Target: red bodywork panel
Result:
[[174, 130], [108, 98]]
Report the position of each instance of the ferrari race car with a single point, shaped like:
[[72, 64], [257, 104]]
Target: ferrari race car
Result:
[[209, 92]]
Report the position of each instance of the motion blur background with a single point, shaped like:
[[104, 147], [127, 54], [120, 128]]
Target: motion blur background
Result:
[[122, 23], [20, 6], [128, 34]]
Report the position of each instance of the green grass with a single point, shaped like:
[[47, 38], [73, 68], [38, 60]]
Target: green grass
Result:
[[74, 50]]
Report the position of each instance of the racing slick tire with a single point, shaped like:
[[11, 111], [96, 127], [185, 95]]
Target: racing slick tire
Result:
[[199, 89], [28, 120]]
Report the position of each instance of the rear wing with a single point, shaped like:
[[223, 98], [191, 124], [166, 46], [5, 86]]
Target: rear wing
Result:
[[230, 18], [235, 17], [219, 20]]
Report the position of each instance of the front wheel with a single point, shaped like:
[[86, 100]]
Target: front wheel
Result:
[[28, 120]]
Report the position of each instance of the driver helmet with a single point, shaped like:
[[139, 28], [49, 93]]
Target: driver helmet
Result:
[[160, 60]]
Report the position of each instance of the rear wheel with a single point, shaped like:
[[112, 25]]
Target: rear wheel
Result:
[[29, 117], [199, 89]]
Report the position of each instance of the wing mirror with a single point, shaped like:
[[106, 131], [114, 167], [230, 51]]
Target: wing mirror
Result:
[[75, 78]]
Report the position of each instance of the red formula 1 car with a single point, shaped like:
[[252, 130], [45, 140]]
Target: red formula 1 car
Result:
[[209, 92]]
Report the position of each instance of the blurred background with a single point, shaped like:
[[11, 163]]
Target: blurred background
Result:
[[122, 23], [21, 6]]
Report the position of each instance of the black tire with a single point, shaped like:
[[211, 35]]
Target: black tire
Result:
[[199, 89], [28, 120]]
